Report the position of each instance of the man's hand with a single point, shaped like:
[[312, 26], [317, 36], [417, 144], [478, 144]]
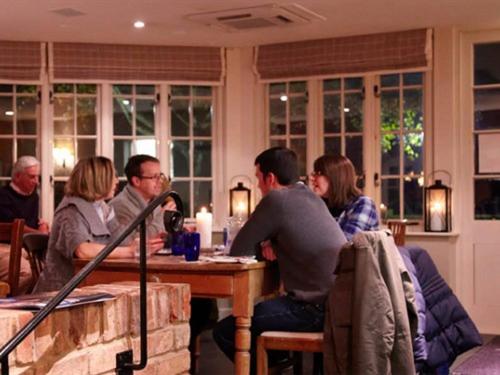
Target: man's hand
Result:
[[267, 250], [43, 226]]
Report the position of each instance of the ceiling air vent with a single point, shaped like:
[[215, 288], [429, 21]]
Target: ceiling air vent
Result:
[[68, 12], [257, 17]]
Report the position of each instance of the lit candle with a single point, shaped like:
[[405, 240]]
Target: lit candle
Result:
[[204, 227], [437, 219], [383, 212], [241, 210]]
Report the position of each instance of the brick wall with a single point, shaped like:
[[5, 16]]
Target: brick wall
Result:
[[85, 339]]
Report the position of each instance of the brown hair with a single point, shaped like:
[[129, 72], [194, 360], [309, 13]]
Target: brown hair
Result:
[[341, 177], [91, 179]]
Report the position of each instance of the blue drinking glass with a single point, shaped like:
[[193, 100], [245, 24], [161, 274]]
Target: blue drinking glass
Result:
[[191, 246], [178, 245]]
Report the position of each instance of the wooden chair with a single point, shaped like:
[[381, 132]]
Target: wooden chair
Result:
[[398, 229], [288, 341], [13, 233], [35, 245], [4, 289]]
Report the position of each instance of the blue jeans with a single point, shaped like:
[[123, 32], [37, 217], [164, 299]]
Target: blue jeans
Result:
[[279, 314]]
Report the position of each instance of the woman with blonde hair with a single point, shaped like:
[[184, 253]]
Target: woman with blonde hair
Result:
[[83, 222], [334, 179]]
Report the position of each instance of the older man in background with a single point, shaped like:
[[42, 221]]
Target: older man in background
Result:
[[19, 200]]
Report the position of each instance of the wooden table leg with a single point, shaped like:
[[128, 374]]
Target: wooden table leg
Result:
[[242, 346]]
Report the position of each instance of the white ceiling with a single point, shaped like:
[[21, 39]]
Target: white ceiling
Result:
[[110, 21]]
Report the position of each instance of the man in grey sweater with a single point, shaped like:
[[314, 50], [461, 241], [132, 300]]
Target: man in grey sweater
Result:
[[292, 225]]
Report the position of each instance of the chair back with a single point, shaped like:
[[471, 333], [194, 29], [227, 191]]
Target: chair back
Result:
[[35, 245], [13, 233], [398, 229]]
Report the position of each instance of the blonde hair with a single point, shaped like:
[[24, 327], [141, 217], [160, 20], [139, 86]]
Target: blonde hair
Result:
[[341, 176], [91, 179]]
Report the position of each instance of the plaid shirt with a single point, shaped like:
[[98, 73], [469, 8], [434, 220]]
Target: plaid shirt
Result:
[[359, 215]]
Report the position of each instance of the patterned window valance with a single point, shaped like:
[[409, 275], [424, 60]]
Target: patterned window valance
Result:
[[21, 61], [114, 62], [353, 54]]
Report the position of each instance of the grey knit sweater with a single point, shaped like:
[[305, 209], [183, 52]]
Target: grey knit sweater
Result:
[[305, 237]]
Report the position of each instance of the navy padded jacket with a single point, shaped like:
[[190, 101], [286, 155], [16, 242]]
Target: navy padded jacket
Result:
[[449, 330]]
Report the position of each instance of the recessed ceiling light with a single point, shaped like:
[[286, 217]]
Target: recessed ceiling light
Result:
[[139, 24], [9, 113]]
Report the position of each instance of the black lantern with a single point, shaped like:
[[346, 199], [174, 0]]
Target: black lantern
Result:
[[437, 201], [239, 201]]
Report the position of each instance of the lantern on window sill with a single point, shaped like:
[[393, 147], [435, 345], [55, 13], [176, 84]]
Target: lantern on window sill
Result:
[[239, 201], [437, 202]]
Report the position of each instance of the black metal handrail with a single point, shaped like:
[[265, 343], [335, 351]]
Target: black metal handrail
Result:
[[125, 363]]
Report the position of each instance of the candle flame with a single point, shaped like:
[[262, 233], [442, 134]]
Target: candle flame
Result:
[[203, 210]]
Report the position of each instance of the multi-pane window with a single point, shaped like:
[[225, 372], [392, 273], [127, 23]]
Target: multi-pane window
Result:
[[486, 131], [288, 118], [191, 134], [343, 119], [19, 119], [75, 129], [134, 108], [401, 143]]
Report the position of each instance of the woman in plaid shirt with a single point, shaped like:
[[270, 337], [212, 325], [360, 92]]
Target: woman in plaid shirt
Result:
[[334, 179]]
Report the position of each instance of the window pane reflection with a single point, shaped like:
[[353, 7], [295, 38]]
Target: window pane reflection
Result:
[[121, 153], [64, 156], [277, 116], [202, 118], [179, 113], [145, 146], [26, 115], [331, 113], [487, 199], [298, 115], [390, 197], [353, 112], [486, 67], [202, 158], [58, 192], [389, 104], [6, 115], [354, 151], [202, 195], [278, 143], [122, 116], [390, 154], [86, 115], [412, 106], [182, 188], [180, 159], [86, 148], [5, 156], [413, 197], [26, 147], [63, 116], [299, 146], [413, 153], [145, 117], [332, 146], [487, 109]]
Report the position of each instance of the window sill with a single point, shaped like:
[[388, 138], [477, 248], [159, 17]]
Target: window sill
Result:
[[432, 234]]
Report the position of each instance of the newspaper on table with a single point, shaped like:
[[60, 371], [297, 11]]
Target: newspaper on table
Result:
[[35, 302]]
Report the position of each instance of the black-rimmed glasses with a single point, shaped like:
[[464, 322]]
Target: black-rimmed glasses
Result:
[[156, 177]]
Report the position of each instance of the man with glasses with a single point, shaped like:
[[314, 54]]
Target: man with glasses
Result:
[[144, 183], [19, 200]]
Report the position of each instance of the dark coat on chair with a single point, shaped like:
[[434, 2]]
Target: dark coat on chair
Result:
[[449, 329]]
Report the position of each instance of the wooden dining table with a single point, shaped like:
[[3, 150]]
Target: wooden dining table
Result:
[[243, 283]]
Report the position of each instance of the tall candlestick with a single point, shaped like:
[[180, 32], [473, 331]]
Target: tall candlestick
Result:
[[204, 227]]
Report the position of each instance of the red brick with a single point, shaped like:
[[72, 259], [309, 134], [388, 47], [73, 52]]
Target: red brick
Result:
[[44, 340], [93, 319], [75, 363], [103, 356], [181, 336], [25, 351], [175, 363]]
